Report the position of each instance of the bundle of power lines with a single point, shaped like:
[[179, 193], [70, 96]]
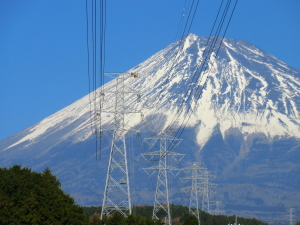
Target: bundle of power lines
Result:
[[96, 24], [95, 36], [213, 44]]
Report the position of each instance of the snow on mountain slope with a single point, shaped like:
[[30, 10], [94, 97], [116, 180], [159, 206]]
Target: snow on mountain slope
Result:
[[59, 120], [245, 127], [247, 89]]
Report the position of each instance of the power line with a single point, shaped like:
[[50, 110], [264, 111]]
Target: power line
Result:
[[96, 33], [181, 19], [194, 76], [88, 61], [203, 68], [179, 48], [102, 65], [173, 58], [205, 56], [201, 89]]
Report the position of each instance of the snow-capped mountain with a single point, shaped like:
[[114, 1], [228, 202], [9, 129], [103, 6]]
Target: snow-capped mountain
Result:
[[244, 127]]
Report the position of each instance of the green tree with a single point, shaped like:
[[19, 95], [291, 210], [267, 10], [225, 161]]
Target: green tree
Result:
[[191, 220], [28, 197], [91, 210], [116, 219]]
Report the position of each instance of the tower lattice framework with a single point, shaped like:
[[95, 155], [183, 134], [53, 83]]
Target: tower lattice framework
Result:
[[206, 190], [291, 216], [195, 189], [117, 189], [161, 202], [218, 208]]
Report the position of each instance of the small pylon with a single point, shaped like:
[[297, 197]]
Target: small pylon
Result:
[[218, 208], [291, 216], [161, 202], [194, 189], [207, 190]]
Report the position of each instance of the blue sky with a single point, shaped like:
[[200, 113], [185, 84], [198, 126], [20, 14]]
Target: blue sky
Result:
[[43, 53]]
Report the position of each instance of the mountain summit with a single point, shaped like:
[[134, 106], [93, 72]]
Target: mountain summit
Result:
[[244, 127]]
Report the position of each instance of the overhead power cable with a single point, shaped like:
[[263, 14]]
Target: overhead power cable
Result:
[[189, 111], [174, 57], [88, 61], [102, 67], [199, 89], [181, 19], [205, 57], [188, 24], [206, 53], [95, 35], [192, 8], [207, 49]]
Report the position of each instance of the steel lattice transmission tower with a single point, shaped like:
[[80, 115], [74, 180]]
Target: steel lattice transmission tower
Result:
[[117, 190], [161, 202], [218, 210], [195, 189], [207, 190], [291, 216]]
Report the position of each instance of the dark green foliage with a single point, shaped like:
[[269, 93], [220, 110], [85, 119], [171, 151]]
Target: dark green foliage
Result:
[[95, 219], [179, 211], [118, 219], [180, 215], [144, 211], [91, 210], [28, 197], [298, 223], [191, 220], [144, 219]]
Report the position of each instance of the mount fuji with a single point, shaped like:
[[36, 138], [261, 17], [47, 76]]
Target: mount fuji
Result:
[[244, 126]]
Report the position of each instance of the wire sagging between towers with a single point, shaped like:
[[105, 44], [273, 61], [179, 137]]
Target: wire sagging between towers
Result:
[[95, 36]]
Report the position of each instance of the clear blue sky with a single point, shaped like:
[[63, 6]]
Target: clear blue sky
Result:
[[43, 55]]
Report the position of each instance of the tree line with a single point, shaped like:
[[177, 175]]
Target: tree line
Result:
[[180, 216], [28, 197]]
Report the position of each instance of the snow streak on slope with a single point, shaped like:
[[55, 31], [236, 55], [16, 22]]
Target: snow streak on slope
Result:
[[247, 89]]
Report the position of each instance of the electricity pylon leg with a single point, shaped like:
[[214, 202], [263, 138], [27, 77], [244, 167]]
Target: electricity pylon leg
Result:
[[162, 194], [194, 207], [117, 181]]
